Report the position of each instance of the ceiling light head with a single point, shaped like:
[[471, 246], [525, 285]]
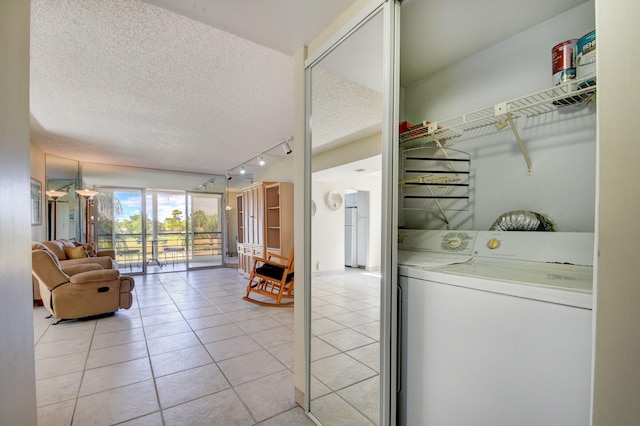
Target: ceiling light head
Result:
[[228, 175], [286, 148], [242, 170], [261, 160]]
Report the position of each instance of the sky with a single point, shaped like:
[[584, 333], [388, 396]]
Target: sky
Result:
[[167, 202]]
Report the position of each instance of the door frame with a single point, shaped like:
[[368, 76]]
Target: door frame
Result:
[[222, 224], [389, 280]]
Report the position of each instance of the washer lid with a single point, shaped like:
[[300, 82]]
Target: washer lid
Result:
[[575, 248]]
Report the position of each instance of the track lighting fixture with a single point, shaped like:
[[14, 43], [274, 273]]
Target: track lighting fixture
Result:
[[286, 148], [228, 175], [284, 144]]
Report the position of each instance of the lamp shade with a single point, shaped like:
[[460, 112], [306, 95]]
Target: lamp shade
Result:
[[55, 194], [86, 193]]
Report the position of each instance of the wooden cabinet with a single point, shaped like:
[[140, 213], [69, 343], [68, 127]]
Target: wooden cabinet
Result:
[[265, 222]]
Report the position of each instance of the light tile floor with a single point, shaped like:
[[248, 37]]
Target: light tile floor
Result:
[[190, 351], [345, 347]]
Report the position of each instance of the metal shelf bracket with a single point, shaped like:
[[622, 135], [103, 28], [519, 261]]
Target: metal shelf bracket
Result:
[[502, 109]]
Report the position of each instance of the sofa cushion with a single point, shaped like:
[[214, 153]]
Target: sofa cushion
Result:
[[40, 246], [57, 248], [76, 268], [66, 243], [104, 261], [75, 252]]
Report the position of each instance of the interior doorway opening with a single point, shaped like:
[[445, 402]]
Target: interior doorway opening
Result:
[[356, 228]]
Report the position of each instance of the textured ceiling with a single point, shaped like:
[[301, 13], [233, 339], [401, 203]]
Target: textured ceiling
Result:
[[131, 83], [204, 85]]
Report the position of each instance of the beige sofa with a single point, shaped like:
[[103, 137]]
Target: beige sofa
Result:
[[80, 289], [61, 248]]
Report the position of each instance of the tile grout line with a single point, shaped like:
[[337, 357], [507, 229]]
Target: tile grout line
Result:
[[84, 370], [233, 387], [153, 376]]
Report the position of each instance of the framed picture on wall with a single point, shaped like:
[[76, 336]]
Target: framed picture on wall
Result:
[[36, 202]]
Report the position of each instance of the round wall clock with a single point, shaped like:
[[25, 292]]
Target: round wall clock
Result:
[[333, 200]]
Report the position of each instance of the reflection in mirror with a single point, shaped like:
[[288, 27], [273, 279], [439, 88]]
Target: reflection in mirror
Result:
[[346, 110], [63, 176]]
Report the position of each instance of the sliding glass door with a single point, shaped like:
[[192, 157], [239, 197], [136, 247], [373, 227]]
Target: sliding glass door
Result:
[[121, 225], [205, 245], [166, 236], [160, 231]]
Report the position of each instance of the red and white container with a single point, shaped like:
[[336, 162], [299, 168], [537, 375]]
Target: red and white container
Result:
[[563, 61]]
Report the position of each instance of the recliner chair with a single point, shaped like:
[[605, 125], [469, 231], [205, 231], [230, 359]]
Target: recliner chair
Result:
[[84, 291]]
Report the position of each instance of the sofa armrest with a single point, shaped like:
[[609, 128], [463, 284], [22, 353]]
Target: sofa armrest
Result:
[[81, 267], [93, 276], [109, 253], [45, 269]]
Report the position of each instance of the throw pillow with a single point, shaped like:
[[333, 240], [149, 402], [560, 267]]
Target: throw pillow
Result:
[[75, 252], [90, 248]]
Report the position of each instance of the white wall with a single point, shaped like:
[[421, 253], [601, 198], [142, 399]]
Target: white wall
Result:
[[561, 144], [327, 242], [106, 174], [17, 366], [281, 172], [37, 166], [617, 348]]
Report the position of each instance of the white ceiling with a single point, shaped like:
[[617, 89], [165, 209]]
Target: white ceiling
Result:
[[131, 83], [203, 85], [437, 33]]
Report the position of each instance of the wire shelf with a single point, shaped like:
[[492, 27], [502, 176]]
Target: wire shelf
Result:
[[549, 100]]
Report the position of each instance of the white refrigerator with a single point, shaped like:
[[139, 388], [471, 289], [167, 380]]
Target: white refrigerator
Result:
[[351, 236]]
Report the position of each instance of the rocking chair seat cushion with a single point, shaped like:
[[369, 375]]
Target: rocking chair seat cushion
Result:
[[273, 271]]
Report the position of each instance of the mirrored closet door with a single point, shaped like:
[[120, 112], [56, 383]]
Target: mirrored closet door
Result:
[[348, 288]]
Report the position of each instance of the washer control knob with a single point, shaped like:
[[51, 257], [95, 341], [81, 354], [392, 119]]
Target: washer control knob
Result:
[[493, 244], [454, 242]]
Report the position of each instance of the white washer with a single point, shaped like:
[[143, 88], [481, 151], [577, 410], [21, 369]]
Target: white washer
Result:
[[501, 339]]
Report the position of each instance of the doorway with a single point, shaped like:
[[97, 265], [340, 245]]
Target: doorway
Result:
[[356, 228]]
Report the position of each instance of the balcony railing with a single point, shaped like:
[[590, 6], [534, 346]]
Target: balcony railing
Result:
[[128, 245]]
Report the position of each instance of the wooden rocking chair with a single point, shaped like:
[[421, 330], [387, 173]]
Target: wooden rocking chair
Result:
[[272, 277]]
